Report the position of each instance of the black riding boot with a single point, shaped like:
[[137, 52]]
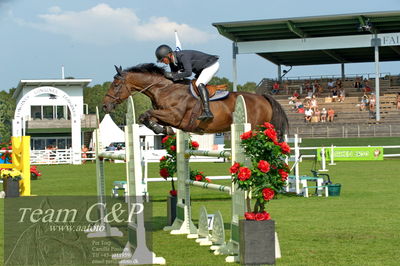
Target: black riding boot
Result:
[[206, 115]]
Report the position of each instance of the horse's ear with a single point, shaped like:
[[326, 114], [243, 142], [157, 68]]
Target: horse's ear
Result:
[[119, 70]]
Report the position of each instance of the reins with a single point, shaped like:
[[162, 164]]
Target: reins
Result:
[[141, 91]]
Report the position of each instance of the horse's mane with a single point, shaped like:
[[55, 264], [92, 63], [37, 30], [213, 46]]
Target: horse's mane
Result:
[[146, 68]]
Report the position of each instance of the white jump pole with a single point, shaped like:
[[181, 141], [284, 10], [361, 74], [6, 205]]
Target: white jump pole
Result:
[[323, 160], [297, 167], [332, 155]]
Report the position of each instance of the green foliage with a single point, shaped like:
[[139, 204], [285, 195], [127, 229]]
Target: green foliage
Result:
[[93, 96], [220, 81], [268, 173], [7, 108], [168, 163], [248, 87]]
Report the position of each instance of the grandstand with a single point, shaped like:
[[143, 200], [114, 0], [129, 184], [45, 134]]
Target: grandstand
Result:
[[335, 39], [349, 120]]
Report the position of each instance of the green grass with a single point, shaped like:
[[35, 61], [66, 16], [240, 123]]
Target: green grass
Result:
[[360, 227]]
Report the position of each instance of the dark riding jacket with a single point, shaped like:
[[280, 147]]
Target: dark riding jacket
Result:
[[190, 61]]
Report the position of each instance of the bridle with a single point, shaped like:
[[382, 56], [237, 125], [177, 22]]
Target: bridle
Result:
[[117, 89]]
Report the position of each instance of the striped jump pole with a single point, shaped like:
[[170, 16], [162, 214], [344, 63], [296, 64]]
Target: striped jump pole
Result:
[[136, 251], [183, 223]]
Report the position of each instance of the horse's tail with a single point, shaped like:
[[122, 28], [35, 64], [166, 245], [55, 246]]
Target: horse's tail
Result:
[[279, 117]]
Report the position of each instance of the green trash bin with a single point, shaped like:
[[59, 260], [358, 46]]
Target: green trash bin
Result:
[[334, 189]]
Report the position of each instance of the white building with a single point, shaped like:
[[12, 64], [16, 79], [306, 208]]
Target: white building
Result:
[[52, 112]]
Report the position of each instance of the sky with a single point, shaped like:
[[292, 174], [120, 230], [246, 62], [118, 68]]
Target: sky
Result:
[[38, 37]]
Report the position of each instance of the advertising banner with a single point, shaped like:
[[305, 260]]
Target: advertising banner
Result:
[[352, 153]]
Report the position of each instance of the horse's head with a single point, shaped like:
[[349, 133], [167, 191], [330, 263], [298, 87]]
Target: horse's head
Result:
[[117, 92]]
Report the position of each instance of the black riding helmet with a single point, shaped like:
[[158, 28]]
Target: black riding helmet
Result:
[[162, 51]]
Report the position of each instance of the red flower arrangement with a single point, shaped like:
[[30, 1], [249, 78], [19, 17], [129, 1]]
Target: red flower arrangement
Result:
[[5, 155], [268, 172], [35, 172], [168, 162]]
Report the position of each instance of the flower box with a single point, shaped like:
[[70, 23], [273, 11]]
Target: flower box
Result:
[[257, 242], [171, 209], [11, 187]]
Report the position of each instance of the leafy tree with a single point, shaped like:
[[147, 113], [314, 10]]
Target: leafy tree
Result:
[[248, 87], [7, 108]]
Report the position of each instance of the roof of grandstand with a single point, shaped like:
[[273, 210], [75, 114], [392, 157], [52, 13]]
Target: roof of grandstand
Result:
[[333, 39]]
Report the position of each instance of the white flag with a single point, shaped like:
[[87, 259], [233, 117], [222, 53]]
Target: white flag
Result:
[[177, 42]]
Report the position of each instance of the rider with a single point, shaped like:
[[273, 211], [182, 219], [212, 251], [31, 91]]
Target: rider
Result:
[[184, 63]]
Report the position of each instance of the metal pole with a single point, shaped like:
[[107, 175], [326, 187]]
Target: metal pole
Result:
[[279, 73], [377, 74], [234, 66], [342, 70]]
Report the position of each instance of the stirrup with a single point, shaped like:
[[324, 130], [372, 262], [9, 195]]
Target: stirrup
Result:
[[205, 116]]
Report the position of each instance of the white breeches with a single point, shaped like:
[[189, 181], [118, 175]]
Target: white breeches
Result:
[[207, 74]]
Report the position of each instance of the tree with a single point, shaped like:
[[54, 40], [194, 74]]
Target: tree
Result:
[[7, 108], [248, 87]]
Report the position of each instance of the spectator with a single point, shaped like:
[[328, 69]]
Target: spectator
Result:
[[398, 101], [316, 116], [286, 87], [111, 147], [330, 84], [275, 87], [372, 101], [294, 98], [298, 104], [323, 115], [331, 114], [338, 84], [357, 84], [366, 86], [313, 103], [315, 86], [335, 93], [84, 153], [308, 115], [364, 102], [342, 95]]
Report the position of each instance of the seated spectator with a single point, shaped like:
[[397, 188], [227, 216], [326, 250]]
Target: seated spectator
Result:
[[315, 86], [331, 114], [308, 115], [372, 101], [323, 115], [335, 93], [338, 84], [366, 86], [286, 87], [294, 98], [342, 95], [301, 110], [316, 116], [364, 102], [398, 101], [330, 84], [307, 85], [313, 103], [306, 103], [275, 87], [298, 104], [357, 84]]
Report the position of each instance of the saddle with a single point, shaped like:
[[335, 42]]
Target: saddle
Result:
[[215, 92]]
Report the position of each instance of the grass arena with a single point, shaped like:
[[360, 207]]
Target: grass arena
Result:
[[360, 227]]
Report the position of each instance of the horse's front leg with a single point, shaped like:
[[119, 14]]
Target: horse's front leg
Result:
[[152, 118], [151, 123]]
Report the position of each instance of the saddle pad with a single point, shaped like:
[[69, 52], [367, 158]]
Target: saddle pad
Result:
[[219, 95]]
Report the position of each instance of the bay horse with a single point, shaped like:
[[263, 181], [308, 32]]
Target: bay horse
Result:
[[174, 106]]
